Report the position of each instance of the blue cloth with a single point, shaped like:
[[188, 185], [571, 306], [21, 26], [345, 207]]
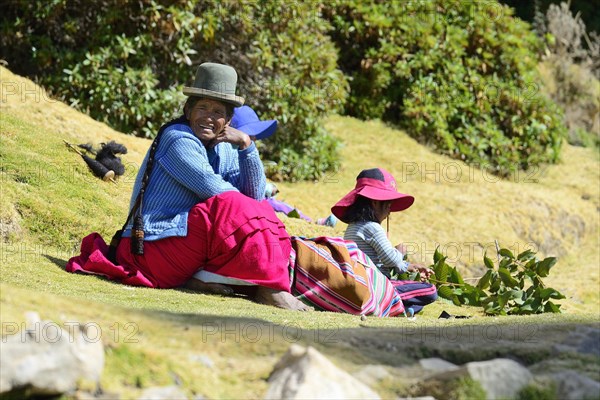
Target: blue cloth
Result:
[[415, 295], [186, 173], [373, 241]]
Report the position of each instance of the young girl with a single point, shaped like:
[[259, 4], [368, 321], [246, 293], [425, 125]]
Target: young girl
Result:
[[364, 209]]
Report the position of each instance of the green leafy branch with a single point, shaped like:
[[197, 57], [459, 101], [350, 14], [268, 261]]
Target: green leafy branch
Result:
[[512, 287]]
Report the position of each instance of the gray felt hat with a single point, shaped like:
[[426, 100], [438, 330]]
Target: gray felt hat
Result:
[[217, 82]]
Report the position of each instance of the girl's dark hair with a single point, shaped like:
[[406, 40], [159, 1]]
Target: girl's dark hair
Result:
[[360, 211], [192, 100]]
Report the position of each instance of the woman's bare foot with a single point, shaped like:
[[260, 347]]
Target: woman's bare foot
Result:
[[279, 298], [214, 288]]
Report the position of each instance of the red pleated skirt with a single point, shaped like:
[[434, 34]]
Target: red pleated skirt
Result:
[[229, 234]]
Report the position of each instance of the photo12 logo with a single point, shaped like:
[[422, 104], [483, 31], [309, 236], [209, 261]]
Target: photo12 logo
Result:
[[441, 333], [71, 331], [24, 92], [253, 332], [457, 172]]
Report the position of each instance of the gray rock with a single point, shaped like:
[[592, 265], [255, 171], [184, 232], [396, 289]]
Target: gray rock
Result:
[[371, 374], [163, 393], [46, 359], [437, 365], [501, 378], [584, 340], [88, 350], [202, 359], [572, 386], [304, 373]]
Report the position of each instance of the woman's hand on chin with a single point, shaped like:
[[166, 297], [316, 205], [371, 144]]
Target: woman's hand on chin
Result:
[[233, 136]]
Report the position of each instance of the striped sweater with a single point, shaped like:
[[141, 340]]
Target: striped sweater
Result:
[[186, 173], [370, 237]]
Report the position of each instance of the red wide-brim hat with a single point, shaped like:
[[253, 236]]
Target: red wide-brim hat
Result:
[[374, 184]]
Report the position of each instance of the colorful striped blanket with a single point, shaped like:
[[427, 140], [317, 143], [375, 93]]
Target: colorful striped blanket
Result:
[[332, 274]]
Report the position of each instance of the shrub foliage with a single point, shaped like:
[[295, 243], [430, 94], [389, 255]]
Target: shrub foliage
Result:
[[513, 287], [125, 63], [460, 76]]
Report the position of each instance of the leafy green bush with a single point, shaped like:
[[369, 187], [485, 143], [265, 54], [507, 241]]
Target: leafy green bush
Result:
[[513, 287], [125, 63], [460, 76], [118, 61], [288, 71]]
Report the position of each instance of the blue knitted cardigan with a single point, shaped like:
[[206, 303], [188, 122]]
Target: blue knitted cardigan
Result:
[[186, 173]]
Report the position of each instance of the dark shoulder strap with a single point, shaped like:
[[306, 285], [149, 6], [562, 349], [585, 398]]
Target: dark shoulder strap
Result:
[[137, 206], [136, 210]]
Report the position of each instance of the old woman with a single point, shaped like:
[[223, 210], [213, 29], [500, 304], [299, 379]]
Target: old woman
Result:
[[196, 204]]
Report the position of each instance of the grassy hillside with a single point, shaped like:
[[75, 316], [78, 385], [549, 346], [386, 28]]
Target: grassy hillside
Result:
[[49, 201]]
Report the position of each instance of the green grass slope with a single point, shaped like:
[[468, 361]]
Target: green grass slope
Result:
[[49, 201]]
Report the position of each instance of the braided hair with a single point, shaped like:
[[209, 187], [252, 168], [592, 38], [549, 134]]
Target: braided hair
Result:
[[137, 229]]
